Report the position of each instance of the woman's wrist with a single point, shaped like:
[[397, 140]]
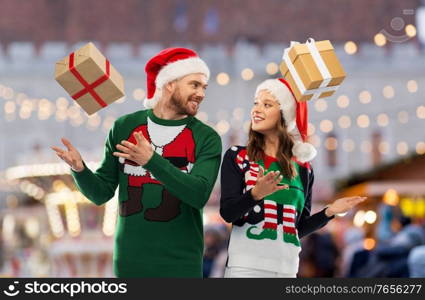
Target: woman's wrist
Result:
[[328, 212], [255, 194]]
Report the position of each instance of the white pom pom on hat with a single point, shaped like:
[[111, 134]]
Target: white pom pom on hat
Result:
[[295, 114]]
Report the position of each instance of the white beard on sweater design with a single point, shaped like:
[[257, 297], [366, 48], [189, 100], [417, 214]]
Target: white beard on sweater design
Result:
[[160, 137]]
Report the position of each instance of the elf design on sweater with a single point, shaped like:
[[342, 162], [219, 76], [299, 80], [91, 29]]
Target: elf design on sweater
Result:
[[159, 231], [290, 200], [266, 233]]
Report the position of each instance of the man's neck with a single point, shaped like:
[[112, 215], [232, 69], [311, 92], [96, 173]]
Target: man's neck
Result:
[[166, 112]]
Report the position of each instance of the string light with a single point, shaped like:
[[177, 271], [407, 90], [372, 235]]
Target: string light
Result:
[[350, 47], [348, 145], [246, 126], [402, 148], [238, 113], [391, 197], [223, 78], [247, 74], [363, 121], [382, 120], [420, 148], [388, 91], [365, 97], [358, 219], [380, 39], [420, 112], [410, 30], [311, 129], [315, 140], [139, 94], [55, 220], [331, 143], [222, 127], [412, 86], [121, 100], [321, 105], [9, 107], [369, 243], [93, 121], [203, 116], [272, 68], [343, 101], [326, 126], [370, 217], [344, 122], [62, 103]]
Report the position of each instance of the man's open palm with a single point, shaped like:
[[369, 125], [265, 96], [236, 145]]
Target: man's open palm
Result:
[[71, 156]]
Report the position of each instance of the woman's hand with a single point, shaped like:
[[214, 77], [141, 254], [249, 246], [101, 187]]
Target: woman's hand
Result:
[[140, 153], [266, 185], [343, 205]]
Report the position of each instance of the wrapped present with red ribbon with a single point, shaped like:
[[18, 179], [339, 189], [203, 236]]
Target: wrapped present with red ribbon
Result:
[[89, 78]]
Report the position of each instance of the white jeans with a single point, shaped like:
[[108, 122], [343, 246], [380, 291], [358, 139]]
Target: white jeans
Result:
[[241, 272]]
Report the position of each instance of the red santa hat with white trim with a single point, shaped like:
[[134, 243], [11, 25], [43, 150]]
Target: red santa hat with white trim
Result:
[[295, 115], [168, 65]]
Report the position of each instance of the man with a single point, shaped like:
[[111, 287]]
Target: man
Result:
[[165, 162]]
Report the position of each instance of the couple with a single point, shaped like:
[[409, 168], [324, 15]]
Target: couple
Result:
[[166, 162]]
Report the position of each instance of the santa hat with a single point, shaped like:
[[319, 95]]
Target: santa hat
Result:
[[295, 115], [168, 65]]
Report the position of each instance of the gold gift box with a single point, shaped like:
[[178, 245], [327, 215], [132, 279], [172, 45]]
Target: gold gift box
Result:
[[308, 71], [89, 78]]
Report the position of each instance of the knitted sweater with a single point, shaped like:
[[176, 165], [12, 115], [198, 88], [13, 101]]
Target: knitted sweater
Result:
[[159, 231], [265, 234]]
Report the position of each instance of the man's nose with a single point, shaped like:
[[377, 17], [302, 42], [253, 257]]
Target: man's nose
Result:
[[200, 93]]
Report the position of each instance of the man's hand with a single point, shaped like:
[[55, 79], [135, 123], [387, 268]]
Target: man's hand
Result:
[[343, 205], [266, 185], [140, 153], [71, 156]]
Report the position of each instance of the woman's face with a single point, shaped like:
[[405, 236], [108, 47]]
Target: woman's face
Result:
[[265, 114]]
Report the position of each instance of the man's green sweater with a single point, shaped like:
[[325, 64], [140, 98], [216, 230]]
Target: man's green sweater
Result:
[[160, 230]]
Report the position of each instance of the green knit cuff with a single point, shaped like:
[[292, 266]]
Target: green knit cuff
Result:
[[81, 175], [154, 162]]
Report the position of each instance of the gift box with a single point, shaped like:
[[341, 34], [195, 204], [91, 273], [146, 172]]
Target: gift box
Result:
[[89, 78], [312, 69]]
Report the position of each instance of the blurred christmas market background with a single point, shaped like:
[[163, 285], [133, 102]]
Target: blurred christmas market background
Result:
[[370, 135]]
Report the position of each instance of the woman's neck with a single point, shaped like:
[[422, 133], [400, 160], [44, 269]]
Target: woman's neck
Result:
[[271, 144]]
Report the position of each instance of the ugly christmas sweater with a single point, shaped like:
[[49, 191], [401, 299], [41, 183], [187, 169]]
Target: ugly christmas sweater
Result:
[[159, 230], [265, 234]]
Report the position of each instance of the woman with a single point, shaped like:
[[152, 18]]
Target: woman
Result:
[[266, 188]]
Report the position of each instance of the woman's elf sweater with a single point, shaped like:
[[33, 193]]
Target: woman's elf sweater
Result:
[[265, 234], [159, 230]]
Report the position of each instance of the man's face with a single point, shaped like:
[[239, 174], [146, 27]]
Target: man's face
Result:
[[188, 94]]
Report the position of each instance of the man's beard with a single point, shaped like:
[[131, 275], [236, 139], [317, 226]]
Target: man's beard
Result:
[[180, 106]]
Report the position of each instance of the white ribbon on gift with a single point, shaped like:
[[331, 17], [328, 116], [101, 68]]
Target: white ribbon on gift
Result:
[[320, 65]]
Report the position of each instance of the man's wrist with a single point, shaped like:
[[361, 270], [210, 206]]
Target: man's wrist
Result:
[[149, 158], [78, 170]]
